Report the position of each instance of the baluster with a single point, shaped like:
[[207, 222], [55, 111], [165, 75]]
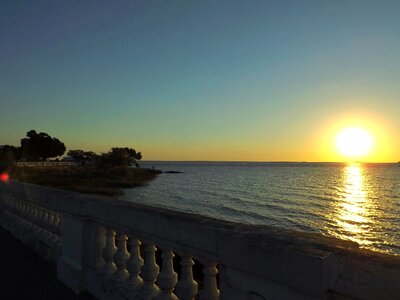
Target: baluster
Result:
[[46, 224], [53, 223], [59, 229], [22, 211], [39, 215], [149, 272], [134, 264], [28, 213], [39, 219], [186, 287], [29, 216], [11, 206], [50, 224], [25, 216], [12, 203], [26, 210], [18, 228], [33, 217], [45, 217], [57, 223], [50, 220], [210, 290], [45, 221], [168, 278], [120, 258], [17, 206], [52, 228], [108, 253], [21, 215], [100, 245]]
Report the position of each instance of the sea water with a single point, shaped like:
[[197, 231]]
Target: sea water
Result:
[[357, 202]]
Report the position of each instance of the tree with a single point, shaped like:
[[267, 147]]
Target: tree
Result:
[[81, 155], [12, 151], [121, 157], [39, 146], [8, 155]]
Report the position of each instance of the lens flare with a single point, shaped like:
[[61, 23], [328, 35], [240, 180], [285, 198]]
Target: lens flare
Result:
[[4, 177]]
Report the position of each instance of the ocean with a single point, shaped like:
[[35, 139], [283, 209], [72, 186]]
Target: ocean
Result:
[[356, 202]]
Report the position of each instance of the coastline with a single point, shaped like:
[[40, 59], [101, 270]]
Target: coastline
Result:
[[86, 179]]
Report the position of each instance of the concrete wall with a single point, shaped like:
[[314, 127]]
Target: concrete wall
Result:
[[254, 262]]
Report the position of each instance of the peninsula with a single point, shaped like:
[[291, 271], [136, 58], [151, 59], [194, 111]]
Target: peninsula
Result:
[[36, 161]]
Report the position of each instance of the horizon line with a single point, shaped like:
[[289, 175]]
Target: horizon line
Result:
[[272, 161]]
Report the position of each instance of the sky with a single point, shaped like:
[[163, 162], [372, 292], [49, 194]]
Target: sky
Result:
[[203, 80]]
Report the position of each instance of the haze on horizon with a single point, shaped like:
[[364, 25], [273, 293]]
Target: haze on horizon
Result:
[[207, 80]]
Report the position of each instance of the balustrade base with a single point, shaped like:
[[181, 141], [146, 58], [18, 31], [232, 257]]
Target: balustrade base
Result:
[[71, 275]]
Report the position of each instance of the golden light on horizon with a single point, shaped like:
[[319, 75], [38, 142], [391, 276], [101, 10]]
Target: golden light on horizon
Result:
[[354, 142], [355, 136]]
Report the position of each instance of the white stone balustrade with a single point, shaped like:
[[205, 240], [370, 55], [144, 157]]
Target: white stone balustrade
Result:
[[108, 253], [120, 258], [168, 278], [119, 250], [134, 265], [35, 225], [187, 288]]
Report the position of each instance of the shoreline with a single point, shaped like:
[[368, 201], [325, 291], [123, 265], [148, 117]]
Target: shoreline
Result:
[[86, 179]]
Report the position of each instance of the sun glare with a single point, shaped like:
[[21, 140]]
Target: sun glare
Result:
[[354, 142]]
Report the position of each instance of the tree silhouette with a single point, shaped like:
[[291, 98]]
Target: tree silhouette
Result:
[[121, 157], [39, 146], [81, 155], [11, 151], [8, 155]]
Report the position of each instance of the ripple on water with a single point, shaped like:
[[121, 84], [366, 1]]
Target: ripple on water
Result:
[[354, 202]]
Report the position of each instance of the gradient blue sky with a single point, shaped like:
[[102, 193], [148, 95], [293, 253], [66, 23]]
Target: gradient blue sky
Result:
[[202, 80]]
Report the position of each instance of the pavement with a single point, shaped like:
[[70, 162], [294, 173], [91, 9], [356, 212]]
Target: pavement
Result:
[[24, 274]]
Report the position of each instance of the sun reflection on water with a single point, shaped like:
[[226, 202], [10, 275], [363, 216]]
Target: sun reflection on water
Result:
[[351, 213]]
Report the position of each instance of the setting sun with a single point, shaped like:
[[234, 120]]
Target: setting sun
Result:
[[354, 142]]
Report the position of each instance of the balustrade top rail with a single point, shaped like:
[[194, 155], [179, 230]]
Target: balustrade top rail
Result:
[[308, 263]]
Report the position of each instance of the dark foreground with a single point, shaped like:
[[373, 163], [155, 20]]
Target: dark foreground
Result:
[[24, 274]]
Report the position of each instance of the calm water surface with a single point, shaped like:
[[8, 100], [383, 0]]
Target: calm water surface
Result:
[[357, 202]]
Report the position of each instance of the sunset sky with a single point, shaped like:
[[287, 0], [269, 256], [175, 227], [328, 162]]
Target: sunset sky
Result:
[[203, 80]]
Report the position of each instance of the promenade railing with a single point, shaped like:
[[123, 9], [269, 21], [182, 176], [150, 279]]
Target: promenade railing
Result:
[[120, 250]]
